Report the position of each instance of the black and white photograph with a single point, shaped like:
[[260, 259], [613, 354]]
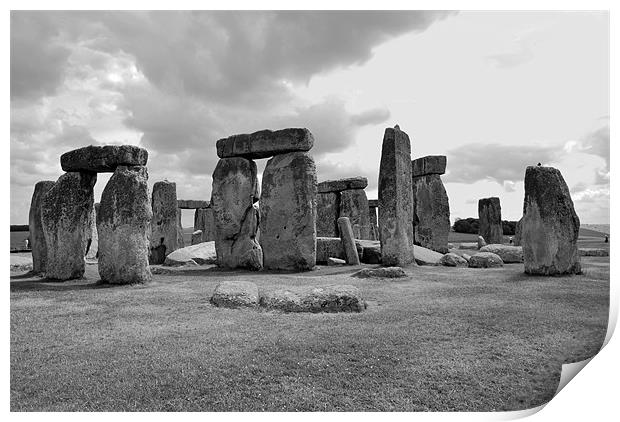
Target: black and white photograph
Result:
[[235, 210]]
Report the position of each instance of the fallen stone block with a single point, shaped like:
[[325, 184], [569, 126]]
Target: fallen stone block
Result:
[[201, 253], [485, 260], [235, 294], [336, 262], [369, 250], [509, 254], [453, 260], [335, 298], [425, 256], [103, 159], [383, 272], [265, 143]]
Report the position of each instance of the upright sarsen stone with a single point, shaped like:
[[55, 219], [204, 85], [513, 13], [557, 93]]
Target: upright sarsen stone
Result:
[[123, 225], [166, 235], [92, 249], [235, 190], [396, 199], [37, 237], [354, 205], [490, 220], [517, 237], [288, 212], [66, 212], [327, 213], [431, 212], [204, 220], [550, 225]]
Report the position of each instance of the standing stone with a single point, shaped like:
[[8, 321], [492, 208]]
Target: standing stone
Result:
[[236, 219], [180, 240], [204, 220], [348, 241], [354, 204], [490, 220], [517, 238], [288, 212], [396, 199], [92, 249], [327, 213], [123, 224], [431, 211], [550, 225], [165, 233], [372, 212], [37, 237], [66, 211]]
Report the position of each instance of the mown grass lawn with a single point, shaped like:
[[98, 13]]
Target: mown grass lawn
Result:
[[443, 339]]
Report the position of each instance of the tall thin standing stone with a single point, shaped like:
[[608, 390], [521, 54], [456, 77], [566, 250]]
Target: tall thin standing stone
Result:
[[490, 220], [37, 237], [348, 241], [354, 204], [123, 225], [288, 212], [66, 213], [166, 236], [550, 225], [204, 220], [396, 199], [235, 190], [93, 241]]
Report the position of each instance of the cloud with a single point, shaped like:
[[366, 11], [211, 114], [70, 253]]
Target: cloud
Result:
[[596, 143], [501, 163]]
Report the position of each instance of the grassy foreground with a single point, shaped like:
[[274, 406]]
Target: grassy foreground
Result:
[[443, 339]]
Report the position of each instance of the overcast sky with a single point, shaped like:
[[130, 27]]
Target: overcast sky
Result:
[[494, 91]]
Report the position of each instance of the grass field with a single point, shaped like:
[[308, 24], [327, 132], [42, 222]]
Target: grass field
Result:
[[442, 339]]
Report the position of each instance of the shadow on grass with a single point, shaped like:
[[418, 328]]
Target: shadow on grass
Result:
[[46, 284], [218, 272]]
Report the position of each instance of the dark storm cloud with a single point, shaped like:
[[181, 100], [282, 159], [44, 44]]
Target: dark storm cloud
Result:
[[502, 163]]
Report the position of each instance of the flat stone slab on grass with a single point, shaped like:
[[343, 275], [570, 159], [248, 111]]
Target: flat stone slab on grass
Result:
[[453, 260], [508, 254], [342, 184], [336, 261], [235, 294], [331, 299], [201, 253], [425, 256], [370, 251], [593, 252], [192, 204], [103, 159], [385, 272], [265, 143], [485, 260]]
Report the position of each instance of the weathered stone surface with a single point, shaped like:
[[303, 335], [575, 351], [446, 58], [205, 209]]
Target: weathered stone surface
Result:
[[481, 242], [453, 260], [327, 213], [335, 262], [431, 213], [328, 247], [265, 143], [92, 247], [354, 205], [373, 203], [550, 225], [374, 226], [490, 220], [288, 212], [396, 199], [166, 235], [348, 241], [103, 159], [204, 220], [385, 272], [235, 294], [180, 239], [509, 254], [342, 184], [468, 245], [424, 256], [202, 254], [334, 298], [516, 240], [431, 164], [191, 204], [196, 237], [35, 227], [369, 251], [593, 252], [485, 260], [123, 224], [466, 257], [236, 219], [66, 210]]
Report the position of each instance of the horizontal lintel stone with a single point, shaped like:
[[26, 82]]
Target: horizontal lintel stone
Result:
[[342, 184], [265, 143]]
